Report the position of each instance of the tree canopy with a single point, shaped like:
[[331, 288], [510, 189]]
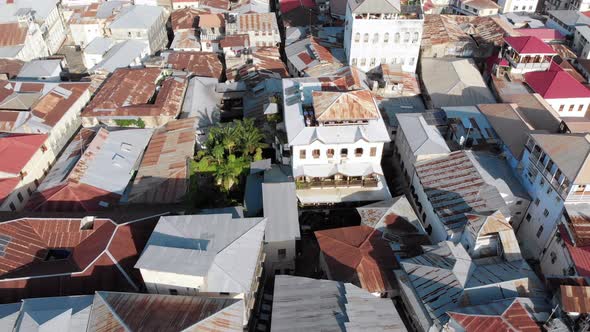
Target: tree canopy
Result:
[[229, 150]]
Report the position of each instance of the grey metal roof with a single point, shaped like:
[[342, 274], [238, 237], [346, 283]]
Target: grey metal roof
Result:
[[570, 17], [68, 314], [105, 9], [280, 210], [374, 215], [253, 194], [113, 164], [8, 316], [137, 17], [570, 152], [454, 82], [99, 45], [423, 138], [235, 211], [497, 172], [222, 250], [201, 101], [40, 68], [375, 6], [444, 278], [304, 304], [42, 9], [400, 105], [122, 55]]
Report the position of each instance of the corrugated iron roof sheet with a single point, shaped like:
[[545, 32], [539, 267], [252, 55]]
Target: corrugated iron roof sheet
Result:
[[514, 319], [575, 299], [13, 34], [359, 255], [201, 64]]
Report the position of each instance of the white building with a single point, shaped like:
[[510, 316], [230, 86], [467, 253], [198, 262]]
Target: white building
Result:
[[213, 254], [581, 43], [554, 170], [90, 22], [520, 6], [54, 117], [26, 43], [142, 23], [336, 139], [475, 7], [383, 31], [45, 15]]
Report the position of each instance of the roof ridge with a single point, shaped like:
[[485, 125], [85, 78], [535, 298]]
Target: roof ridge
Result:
[[112, 310]]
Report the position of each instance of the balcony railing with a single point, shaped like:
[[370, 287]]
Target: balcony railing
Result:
[[326, 184], [549, 177]]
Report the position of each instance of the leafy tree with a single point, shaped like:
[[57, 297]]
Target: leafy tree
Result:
[[230, 148]]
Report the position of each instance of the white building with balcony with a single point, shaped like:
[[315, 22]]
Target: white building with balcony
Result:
[[527, 54], [336, 139], [554, 169], [141, 23], [213, 254], [383, 32]]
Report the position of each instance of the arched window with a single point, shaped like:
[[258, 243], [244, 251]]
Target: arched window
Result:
[[416, 37], [386, 37], [366, 38], [396, 38], [357, 37], [375, 38], [406, 37]]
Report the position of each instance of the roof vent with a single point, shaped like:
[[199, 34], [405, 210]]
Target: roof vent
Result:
[[87, 223]]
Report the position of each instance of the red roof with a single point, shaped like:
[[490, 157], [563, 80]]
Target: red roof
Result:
[[17, 149], [288, 5], [514, 319], [543, 34], [579, 255], [556, 83], [529, 45], [359, 255], [72, 197], [90, 266]]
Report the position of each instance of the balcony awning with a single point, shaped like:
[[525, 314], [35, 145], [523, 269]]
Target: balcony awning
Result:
[[346, 169]]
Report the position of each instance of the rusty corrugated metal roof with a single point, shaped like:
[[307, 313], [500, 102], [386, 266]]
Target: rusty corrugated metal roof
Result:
[[163, 175], [13, 34], [344, 106], [359, 255], [514, 319], [575, 299]]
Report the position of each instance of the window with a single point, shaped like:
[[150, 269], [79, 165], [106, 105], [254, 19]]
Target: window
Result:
[[375, 38], [549, 190], [412, 61], [357, 37], [20, 197], [580, 108], [396, 38], [29, 191], [224, 293], [540, 231], [363, 61], [344, 153], [354, 61], [128, 34], [518, 202], [330, 153], [372, 62], [553, 257], [386, 37], [302, 154], [36, 183], [358, 152], [366, 38], [546, 212], [406, 37], [537, 201], [528, 217], [315, 153], [12, 207], [571, 109], [416, 37], [173, 291], [429, 229], [373, 152], [561, 107], [282, 253]]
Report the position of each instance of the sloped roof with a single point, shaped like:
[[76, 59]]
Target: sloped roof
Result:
[[166, 313], [185, 18], [344, 106], [68, 314], [514, 319], [423, 138], [40, 68], [121, 55], [569, 152], [202, 64], [375, 6], [105, 249], [358, 255], [301, 304], [454, 82], [11, 67], [575, 299], [222, 250], [529, 45], [442, 29], [13, 34], [163, 174], [542, 33], [556, 83], [283, 222], [137, 17], [454, 187]]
